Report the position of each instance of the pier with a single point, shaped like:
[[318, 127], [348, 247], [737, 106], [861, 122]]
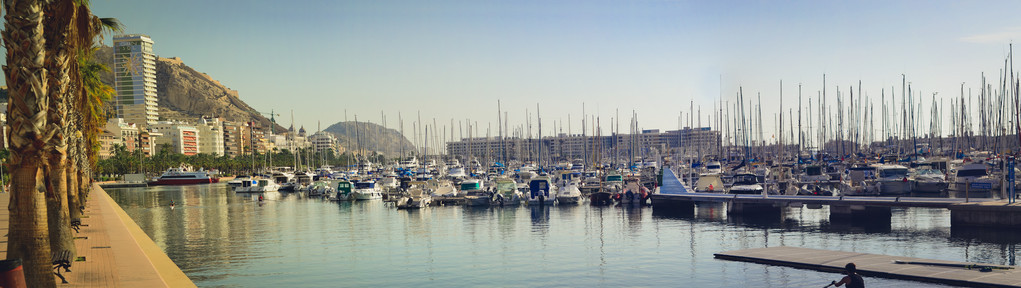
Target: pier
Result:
[[112, 250], [974, 212], [884, 266]]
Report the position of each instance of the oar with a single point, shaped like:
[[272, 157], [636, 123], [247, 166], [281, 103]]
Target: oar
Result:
[[967, 266]]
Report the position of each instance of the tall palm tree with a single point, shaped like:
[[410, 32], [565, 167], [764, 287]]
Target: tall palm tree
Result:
[[90, 95], [62, 42], [71, 30], [26, 79]]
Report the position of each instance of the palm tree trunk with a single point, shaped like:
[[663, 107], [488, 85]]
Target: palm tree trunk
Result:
[[26, 80], [72, 180], [58, 65]]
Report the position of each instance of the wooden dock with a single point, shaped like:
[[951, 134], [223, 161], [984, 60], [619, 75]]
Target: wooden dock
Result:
[[883, 266]]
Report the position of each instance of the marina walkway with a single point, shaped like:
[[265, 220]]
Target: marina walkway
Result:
[[116, 252], [884, 266]]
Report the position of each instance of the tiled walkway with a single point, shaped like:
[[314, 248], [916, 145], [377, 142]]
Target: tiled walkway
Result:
[[116, 251]]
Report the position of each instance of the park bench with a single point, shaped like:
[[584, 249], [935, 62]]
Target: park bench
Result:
[[76, 224], [62, 259]]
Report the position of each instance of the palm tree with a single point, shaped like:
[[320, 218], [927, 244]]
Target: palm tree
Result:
[[62, 42], [26, 79]]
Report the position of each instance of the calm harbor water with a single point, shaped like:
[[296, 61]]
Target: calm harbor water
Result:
[[220, 238]]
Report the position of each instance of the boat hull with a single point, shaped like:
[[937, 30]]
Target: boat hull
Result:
[[894, 188], [184, 181], [367, 196], [568, 199], [601, 198], [933, 187], [476, 201]]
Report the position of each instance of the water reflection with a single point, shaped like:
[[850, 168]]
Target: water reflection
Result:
[[220, 238]]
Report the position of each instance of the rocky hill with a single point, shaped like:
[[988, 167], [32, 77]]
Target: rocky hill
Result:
[[373, 137], [186, 94]]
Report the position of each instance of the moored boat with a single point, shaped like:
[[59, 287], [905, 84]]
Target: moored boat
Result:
[[541, 191], [184, 176], [475, 193], [367, 190]]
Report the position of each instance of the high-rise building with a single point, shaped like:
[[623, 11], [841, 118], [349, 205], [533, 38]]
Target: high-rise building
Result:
[[135, 79]]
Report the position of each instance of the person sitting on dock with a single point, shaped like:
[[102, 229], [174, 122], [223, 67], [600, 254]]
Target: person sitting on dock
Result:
[[853, 280]]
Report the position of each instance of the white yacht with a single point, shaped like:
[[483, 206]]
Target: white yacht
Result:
[[410, 163], [367, 190], [893, 180], [457, 172], [746, 183], [929, 181], [321, 188], [714, 167], [284, 179], [302, 181], [418, 197], [973, 180], [813, 173], [237, 181], [257, 186], [569, 194]]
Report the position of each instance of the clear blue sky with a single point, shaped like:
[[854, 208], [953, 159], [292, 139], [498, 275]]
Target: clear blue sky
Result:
[[455, 59]]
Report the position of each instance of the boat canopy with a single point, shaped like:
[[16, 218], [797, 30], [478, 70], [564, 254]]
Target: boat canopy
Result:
[[344, 186], [471, 185], [365, 185], [539, 186]]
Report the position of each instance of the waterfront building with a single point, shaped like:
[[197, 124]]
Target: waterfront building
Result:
[[182, 137], [260, 142], [135, 79], [211, 133], [694, 142], [236, 138], [125, 133], [107, 141], [323, 141], [688, 141]]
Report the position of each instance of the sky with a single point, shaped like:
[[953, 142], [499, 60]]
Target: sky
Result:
[[328, 61]]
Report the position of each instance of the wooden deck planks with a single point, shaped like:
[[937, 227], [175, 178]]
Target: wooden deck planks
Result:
[[877, 265]]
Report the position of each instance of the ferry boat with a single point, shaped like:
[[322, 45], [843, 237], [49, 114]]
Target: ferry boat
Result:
[[184, 176]]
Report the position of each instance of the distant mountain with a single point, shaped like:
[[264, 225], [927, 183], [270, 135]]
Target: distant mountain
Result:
[[185, 94], [373, 137]]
